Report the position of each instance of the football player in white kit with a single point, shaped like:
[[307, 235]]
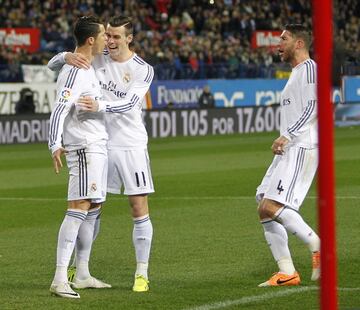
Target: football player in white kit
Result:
[[125, 79], [290, 175], [82, 137]]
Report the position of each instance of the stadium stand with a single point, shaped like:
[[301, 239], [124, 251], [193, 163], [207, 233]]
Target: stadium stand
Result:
[[183, 39]]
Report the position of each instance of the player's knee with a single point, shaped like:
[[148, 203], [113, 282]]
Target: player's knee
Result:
[[262, 212], [139, 205], [140, 210], [82, 204], [267, 208]]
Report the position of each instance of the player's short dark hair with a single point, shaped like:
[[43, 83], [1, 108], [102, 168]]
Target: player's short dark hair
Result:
[[300, 31], [86, 27], [118, 21]]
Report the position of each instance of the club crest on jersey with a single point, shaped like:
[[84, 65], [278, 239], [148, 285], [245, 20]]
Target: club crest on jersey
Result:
[[126, 78], [93, 187]]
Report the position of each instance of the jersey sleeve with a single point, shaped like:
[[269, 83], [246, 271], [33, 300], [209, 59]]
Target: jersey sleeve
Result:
[[69, 89], [134, 95], [57, 62], [308, 93]]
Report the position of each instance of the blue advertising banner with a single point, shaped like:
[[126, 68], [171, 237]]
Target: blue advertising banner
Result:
[[234, 93], [230, 93], [351, 87], [176, 94]]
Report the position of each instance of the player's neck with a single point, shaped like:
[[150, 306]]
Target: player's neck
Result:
[[85, 51], [301, 57], [122, 56]]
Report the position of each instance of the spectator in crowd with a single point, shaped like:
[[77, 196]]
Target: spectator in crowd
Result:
[[25, 105], [206, 99], [222, 29]]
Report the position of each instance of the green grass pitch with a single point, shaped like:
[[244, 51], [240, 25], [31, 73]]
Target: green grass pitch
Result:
[[208, 249]]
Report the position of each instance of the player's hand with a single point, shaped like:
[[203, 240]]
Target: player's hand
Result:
[[78, 60], [278, 146], [56, 156], [88, 104]]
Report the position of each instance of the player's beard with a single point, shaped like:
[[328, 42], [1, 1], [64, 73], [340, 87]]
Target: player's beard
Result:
[[287, 55]]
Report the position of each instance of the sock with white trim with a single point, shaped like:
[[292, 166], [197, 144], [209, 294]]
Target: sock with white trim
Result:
[[96, 232], [84, 243], [66, 242], [277, 239], [142, 237], [295, 224]]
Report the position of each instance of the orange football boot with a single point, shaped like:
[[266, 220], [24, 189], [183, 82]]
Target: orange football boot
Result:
[[282, 279]]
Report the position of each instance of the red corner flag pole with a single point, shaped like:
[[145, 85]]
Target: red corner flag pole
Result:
[[322, 21]]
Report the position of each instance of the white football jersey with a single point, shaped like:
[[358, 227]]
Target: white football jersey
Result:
[[298, 117], [69, 127], [124, 86]]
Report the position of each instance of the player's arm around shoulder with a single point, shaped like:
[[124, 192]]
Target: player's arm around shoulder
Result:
[[77, 59], [143, 75]]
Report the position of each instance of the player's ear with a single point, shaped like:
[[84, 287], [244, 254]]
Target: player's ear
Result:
[[300, 44], [129, 38], [91, 40]]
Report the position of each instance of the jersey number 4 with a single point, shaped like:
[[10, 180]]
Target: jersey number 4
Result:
[[280, 188]]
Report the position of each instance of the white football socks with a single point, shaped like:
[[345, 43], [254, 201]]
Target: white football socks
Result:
[[277, 239], [295, 224], [142, 237], [96, 232], [66, 242], [84, 243]]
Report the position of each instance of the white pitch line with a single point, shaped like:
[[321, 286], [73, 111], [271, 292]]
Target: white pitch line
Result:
[[257, 298], [164, 198]]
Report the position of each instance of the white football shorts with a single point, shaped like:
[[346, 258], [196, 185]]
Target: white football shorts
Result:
[[129, 170], [289, 176], [87, 175]]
